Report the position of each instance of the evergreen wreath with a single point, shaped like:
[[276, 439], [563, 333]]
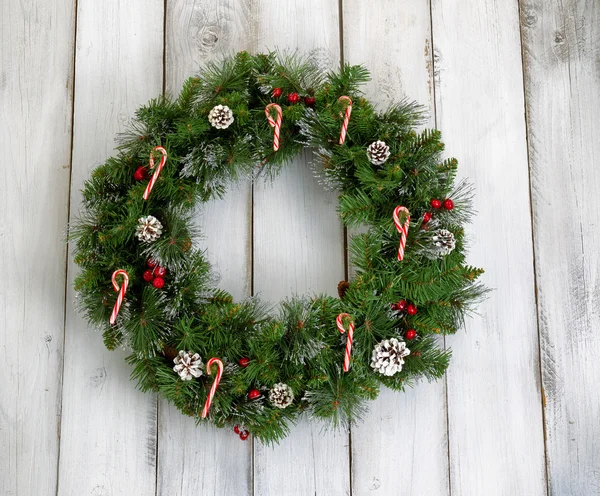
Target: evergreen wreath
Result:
[[234, 363]]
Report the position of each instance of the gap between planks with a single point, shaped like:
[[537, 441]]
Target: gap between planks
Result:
[[534, 261], [68, 247]]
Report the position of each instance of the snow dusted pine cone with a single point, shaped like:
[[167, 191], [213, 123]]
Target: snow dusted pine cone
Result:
[[388, 356], [281, 395], [220, 117], [378, 152], [149, 229], [188, 365], [443, 242]]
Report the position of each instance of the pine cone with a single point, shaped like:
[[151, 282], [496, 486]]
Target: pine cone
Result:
[[443, 242], [169, 352], [188, 365], [281, 395], [220, 117], [342, 288], [149, 229], [378, 152], [388, 356]]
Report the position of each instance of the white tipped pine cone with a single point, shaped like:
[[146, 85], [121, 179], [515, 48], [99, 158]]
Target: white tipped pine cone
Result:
[[149, 229], [188, 365], [378, 152], [388, 356], [281, 395], [443, 242], [220, 117]]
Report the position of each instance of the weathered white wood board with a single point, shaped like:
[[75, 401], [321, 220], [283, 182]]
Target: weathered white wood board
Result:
[[205, 460], [401, 430], [561, 46], [36, 89], [483, 432], [109, 430], [494, 395], [299, 248]]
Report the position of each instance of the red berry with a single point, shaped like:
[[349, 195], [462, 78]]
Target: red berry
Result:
[[448, 204], [253, 394], [140, 173], [435, 203], [160, 271], [411, 334], [293, 98], [276, 92], [427, 217], [151, 263], [401, 305], [411, 309], [148, 275], [236, 429], [310, 100], [244, 362], [158, 282], [244, 435]]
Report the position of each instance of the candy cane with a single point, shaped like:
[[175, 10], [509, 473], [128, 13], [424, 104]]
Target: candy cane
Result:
[[215, 385], [346, 117], [274, 123], [402, 229], [340, 326], [154, 177], [122, 290]]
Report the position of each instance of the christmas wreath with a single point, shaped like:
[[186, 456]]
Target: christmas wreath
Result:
[[238, 364]]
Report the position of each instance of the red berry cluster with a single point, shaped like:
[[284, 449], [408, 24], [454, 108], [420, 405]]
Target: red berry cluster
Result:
[[244, 362], [294, 97], [448, 204], [404, 306], [253, 394], [140, 173], [155, 274], [243, 433], [410, 309]]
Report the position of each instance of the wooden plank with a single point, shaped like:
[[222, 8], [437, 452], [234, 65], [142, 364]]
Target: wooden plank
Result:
[[209, 460], [561, 46], [298, 248], [401, 429], [108, 436], [36, 72], [494, 398]]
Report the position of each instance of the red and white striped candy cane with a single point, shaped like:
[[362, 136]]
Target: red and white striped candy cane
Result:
[[347, 113], [342, 329], [122, 290], [274, 123], [213, 389], [402, 229], [161, 164]]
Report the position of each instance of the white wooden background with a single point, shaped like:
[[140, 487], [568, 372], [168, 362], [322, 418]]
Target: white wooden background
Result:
[[515, 89]]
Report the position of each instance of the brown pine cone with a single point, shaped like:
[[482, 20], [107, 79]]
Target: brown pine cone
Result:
[[342, 288]]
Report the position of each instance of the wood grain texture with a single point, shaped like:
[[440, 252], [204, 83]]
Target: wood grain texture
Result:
[[108, 432], [108, 436], [298, 248], [494, 395], [36, 89], [561, 47], [203, 459], [401, 430]]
